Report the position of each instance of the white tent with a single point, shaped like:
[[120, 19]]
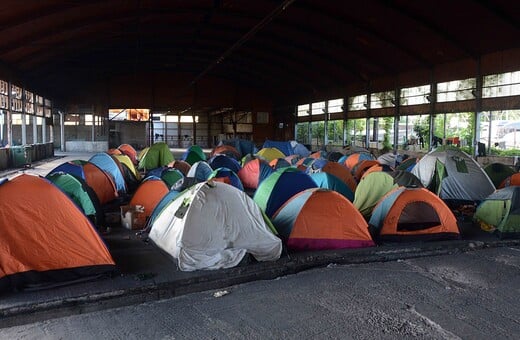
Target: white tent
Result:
[[453, 175], [213, 225]]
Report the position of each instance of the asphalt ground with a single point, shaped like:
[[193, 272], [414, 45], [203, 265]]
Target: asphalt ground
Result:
[[145, 274], [470, 295]]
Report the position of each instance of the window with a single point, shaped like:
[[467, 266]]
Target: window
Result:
[[303, 110], [4, 102], [501, 85], [302, 133], [16, 119], [89, 120], [456, 90], [357, 102], [16, 105], [382, 99], [189, 119], [415, 95], [72, 119], [335, 105], [318, 108], [335, 132], [4, 87], [136, 115]]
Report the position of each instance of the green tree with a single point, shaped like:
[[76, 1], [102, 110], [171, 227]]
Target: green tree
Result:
[[387, 125]]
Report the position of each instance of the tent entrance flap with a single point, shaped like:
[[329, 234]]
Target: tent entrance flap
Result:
[[418, 211]]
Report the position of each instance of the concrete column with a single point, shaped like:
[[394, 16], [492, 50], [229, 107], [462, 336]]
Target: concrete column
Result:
[[326, 125], [35, 129], [24, 130], [62, 131], [44, 130]]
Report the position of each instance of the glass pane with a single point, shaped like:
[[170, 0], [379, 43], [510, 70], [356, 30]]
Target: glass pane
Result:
[[303, 110], [335, 132], [318, 108], [335, 105]]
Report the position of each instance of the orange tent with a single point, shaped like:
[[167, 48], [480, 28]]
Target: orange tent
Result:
[[45, 237], [341, 172], [114, 152], [510, 181], [148, 195], [359, 169], [227, 150], [182, 166], [406, 214], [355, 158], [101, 182], [316, 219], [129, 150], [254, 172], [377, 168]]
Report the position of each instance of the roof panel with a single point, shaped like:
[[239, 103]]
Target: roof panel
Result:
[[306, 44]]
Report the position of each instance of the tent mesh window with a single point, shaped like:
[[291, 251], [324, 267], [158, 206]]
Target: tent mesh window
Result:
[[418, 216]]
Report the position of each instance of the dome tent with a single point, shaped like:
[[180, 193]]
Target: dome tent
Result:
[[316, 219], [409, 214], [40, 245], [213, 225], [453, 175]]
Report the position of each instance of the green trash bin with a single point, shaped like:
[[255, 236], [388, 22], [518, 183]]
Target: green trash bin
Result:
[[20, 155]]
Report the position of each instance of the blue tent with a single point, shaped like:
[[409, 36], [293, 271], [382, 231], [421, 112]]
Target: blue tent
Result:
[[281, 185], [200, 171], [231, 177], [71, 168], [243, 146], [105, 162], [223, 161], [284, 147], [316, 166], [301, 150], [328, 181]]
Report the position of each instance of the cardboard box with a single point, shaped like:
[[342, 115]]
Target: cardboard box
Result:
[[133, 217]]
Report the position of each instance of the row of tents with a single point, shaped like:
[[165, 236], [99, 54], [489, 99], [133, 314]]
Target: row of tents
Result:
[[208, 211]]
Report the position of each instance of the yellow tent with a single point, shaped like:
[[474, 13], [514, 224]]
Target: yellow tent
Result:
[[270, 153], [124, 159]]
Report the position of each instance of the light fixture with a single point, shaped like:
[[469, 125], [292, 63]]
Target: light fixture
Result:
[[428, 98]]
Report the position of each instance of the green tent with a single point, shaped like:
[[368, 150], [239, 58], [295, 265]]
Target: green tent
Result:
[[79, 192], [157, 155], [172, 177], [500, 211], [194, 154], [377, 184]]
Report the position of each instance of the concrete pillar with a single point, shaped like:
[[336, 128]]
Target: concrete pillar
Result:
[[24, 129], [44, 130], [35, 129], [62, 131]]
